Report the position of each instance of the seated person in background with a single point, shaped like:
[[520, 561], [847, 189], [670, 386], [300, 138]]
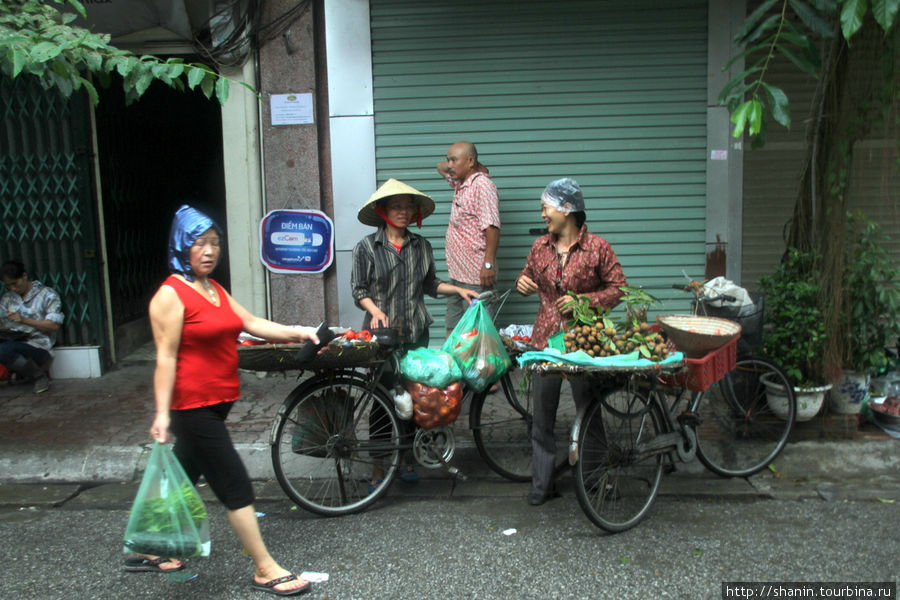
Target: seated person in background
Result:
[[33, 312]]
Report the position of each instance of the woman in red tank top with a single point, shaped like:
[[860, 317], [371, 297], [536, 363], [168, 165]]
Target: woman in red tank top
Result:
[[195, 327]]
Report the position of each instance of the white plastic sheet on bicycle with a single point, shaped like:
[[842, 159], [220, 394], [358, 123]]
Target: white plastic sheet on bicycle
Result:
[[168, 517], [477, 346]]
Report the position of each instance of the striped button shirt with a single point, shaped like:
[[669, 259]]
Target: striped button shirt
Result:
[[395, 281]]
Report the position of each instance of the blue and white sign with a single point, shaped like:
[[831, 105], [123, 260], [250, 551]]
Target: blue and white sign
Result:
[[296, 241]]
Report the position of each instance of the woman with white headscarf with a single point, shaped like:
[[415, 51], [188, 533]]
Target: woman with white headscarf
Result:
[[567, 259]]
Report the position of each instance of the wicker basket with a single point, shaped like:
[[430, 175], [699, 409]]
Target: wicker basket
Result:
[[698, 336], [286, 357]]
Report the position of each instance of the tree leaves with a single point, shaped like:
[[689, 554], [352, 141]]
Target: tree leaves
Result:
[[852, 12], [885, 12], [779, 104], [44, 51], [793, 29], [818, 24], [37, 39]]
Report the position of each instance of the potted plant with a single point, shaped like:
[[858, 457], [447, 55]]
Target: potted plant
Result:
[[870, 312], [794, 333]]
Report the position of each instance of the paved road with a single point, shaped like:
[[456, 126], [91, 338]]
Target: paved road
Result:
[[420, 543]]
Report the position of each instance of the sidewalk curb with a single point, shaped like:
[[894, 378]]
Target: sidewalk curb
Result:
[[106, 464]]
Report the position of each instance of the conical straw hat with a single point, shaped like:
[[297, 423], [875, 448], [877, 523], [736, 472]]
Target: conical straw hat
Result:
[[392, 187]]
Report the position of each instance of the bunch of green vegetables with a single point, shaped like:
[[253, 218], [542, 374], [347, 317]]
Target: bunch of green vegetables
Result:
[[593, 331], [169, 525]]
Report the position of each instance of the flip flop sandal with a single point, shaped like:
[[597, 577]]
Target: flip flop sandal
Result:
[[139, 563], [269, 586], [408, 474]]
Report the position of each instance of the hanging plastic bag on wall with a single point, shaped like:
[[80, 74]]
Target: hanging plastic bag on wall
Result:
[[168, 517]]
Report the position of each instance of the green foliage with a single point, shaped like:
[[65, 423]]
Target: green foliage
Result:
[[793, 29], [37, 39], [871, 303], [582, 311], [156, 514], [794, 331]]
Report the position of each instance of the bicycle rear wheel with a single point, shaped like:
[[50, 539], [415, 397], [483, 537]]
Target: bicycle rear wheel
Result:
[[501, 427], [328, 436], [615, 481], [739, 434]]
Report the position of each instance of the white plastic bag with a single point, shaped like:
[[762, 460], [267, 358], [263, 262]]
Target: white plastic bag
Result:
[[719, 286]]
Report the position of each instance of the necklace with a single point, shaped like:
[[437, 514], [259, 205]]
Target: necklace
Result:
[[209, 289]]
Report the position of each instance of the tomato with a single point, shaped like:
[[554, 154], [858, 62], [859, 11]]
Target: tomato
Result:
[[364, 335], [350, 334]]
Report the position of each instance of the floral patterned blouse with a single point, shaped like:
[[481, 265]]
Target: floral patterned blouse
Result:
[[592, 269]]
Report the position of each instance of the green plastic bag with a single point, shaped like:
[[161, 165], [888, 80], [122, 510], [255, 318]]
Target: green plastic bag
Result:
[[430, 366], [168, 518], [477, 346]]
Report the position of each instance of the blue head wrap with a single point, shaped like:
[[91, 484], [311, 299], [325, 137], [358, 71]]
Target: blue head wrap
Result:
[[187, 226], [564, 195]]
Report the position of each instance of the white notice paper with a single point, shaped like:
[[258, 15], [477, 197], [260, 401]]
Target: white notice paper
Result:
[[291, 109]]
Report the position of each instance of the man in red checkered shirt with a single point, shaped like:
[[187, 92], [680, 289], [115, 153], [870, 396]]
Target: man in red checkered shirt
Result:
[[473, 233]]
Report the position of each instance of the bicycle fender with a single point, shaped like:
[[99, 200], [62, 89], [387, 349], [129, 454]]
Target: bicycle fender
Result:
[[573, 438]]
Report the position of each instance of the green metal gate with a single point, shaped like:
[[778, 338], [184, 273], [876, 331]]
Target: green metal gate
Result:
[[47, 214]]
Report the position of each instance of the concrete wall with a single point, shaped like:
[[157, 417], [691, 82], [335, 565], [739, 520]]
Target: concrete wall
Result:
[[352, 135], [291, 155]]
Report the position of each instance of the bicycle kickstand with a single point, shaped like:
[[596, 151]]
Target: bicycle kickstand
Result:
[[457, 475]]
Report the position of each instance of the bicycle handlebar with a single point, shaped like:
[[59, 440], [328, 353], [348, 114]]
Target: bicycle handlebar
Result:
[[702, 298]]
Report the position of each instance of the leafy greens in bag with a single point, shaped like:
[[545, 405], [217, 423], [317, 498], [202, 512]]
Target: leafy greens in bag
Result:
[[168, 517], [477, 346]]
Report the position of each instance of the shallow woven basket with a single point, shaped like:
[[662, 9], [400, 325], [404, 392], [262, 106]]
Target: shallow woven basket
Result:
[[698, 336], [284, 357]]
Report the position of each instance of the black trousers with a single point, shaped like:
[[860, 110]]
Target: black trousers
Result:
[[203, 447]]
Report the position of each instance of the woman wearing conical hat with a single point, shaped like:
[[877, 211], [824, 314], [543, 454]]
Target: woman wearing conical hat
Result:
[[393, 268]]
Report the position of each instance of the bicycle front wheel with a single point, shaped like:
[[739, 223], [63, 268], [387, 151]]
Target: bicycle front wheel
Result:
[[327, 439], [616, 481], [501, 427], [739, 434]]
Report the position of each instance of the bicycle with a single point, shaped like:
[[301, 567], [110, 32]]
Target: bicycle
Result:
[[335, 426], [630, 433]]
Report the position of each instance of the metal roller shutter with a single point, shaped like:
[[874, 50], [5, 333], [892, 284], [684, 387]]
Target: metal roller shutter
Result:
[[608, 93]]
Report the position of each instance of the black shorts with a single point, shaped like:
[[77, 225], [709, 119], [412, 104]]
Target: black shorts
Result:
[[203, 447]]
